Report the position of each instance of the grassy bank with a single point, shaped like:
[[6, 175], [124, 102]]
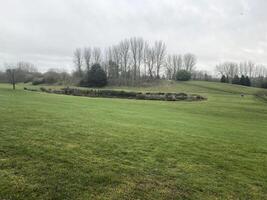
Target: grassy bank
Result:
[[66, 147]]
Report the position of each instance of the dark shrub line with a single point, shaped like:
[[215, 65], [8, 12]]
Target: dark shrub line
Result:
[[124, 94]]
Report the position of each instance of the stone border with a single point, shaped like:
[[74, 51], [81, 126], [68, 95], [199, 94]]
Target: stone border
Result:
[[160, 96]]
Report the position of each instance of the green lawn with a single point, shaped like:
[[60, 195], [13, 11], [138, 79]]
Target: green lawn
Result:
[[66, 147]]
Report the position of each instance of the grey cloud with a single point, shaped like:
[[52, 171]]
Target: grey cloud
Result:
[[47, 32]]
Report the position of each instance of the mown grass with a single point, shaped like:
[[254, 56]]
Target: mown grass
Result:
[[66, 147]]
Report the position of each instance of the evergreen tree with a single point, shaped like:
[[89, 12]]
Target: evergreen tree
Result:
[[223, 79], [247, 81], [242, 80], [227, 79], [236, 80], [96, 77]]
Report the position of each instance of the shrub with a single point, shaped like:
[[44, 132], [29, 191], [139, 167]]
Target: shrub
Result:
[[236, 80], [38, 81], [183, 75], [28, 78], [51, 77]]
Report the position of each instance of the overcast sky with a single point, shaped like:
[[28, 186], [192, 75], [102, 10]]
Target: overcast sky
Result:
[[45, 32]]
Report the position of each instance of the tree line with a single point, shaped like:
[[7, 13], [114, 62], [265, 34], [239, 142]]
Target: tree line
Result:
[[132, 62], [244, 73], [26, 72]]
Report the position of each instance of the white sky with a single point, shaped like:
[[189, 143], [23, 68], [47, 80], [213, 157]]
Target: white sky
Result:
[[45, 32]]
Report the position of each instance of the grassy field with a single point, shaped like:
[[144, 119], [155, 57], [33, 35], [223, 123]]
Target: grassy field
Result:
[[66, 147]]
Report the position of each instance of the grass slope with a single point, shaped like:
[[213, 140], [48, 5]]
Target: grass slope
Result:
[[66, 147]]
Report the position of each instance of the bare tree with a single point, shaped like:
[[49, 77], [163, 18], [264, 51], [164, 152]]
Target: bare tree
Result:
[[124, 48], [78, 61], [27, 67], [116, 57], [243, 69], [220, 69], [87, 54], [145, 57], [173, 64], [169, 67], [190, 61], [229, 69], [25, 71], [136, 47], [133, 48], [160, 51], [96, 55], [233, 69], [140, 54], [106, 58], [11, 75], [179, 62], [150, 60], [260, 71], [251, 67]]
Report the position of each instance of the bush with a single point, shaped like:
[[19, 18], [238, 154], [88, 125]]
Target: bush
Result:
[[183, 75], [96, 77], [51, 77], [236, 80], [38, 81]]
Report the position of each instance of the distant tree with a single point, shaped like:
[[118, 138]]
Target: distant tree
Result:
[[264, 84], [96, 54], [247, 81], [3, 77], [65, 78], [87, 54], [183, 75], [11, 74], [51, 77], [228, 69], [227, 79], [173, 64], [207, 77], [136, 49], [124, 49], [115, 56], [169, 67], [150, 60], [236, 80], [160, 52], [242, 80], [113, 70], [190, 61], [78, 61], [223, 79], [96, 77]]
